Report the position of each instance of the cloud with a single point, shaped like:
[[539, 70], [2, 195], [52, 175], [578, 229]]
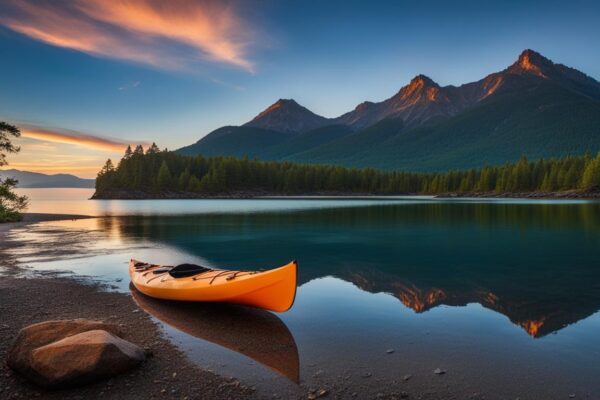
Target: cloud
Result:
[[130, 85], [170, 35], [74, 138]]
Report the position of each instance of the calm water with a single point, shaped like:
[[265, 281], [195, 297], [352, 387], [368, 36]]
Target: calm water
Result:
[[504, 295]]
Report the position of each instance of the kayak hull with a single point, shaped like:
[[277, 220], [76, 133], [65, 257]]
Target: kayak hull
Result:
[[273, 290]]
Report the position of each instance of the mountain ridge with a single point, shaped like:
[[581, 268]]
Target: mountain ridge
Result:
[[526, 108], [38, 180]]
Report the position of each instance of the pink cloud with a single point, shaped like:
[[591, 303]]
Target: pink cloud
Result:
[[75, 138], [169, 35]]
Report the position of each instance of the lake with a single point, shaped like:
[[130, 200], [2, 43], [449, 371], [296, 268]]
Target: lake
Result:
[[503, 295]]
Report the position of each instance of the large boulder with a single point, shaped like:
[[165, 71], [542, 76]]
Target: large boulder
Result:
[[43, 333], [83, 358], [42, 353]]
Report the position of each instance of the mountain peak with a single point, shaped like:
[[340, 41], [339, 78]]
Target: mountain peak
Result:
[[364, 106], [420, 88], [281, 103], [286, 115], [530, 61], [422, 81]]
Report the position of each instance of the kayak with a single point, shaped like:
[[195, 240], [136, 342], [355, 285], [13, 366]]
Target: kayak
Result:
[[273, 290]]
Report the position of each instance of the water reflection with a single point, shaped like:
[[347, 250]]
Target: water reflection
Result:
[[535, 264], [257, 334]]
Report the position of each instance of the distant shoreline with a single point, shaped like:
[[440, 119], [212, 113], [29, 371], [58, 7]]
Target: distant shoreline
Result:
[[559, 195], [140, 195]]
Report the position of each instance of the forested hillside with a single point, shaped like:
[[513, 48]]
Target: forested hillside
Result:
[[533, 107], [158, 173]]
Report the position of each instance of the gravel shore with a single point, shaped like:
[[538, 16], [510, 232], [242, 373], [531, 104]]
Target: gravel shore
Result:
[[28, 300]]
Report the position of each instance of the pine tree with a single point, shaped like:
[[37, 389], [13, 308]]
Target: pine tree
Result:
[[591, 174], [153, 149], [184, 179], [164, 177], [194, 185], [128, 153]]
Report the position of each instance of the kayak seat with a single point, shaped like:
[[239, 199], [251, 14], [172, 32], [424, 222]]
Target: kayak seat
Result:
[[160, 271], [187, 270]]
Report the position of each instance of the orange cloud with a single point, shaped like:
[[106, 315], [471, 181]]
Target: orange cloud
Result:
[[170, 35], [74, 138]]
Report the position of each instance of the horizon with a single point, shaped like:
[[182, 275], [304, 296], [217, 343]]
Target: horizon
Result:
[[145, 77]]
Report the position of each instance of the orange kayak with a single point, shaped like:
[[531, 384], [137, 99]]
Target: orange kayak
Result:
[[273, 290]]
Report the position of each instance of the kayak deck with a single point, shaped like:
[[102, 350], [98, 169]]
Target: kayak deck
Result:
[[273, 289]]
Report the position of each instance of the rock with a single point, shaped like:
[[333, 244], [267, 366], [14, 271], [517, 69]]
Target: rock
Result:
[[439, 371], [406, 377], [318, 394], [389, 351], [59, 354], [83, 358], [43, 333]]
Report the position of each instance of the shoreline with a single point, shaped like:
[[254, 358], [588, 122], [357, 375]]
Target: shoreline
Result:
[[558, 195], [138, 195], [26, 299], [167, 372], [38, 296]]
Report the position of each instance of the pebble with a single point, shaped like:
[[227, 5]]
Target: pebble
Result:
[[136, 311], [406, 377], [403, 395], [439, 371], [389, 351], [572, 396], [367, 375]]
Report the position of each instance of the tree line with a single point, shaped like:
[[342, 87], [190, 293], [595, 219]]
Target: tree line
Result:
[[154, 171]]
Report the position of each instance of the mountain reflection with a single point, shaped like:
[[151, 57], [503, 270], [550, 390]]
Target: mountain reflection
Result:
[[534, 263]]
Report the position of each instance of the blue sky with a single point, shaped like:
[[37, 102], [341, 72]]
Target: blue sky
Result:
[[139, 71]]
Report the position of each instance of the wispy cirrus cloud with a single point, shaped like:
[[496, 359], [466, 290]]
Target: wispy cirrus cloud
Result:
[[76, 138], [172, 34], [130, 85]]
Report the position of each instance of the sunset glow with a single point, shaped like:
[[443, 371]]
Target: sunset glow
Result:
[[141, 31], [75, 138], [54, 151]]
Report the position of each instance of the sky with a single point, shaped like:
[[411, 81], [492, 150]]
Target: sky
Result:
[[85, 78]]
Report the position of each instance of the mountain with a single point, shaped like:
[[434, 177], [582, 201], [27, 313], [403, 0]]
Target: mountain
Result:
[[37, 180], [307, 140], [236, 141], [419, 101], [534, 107], [289, 117]]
